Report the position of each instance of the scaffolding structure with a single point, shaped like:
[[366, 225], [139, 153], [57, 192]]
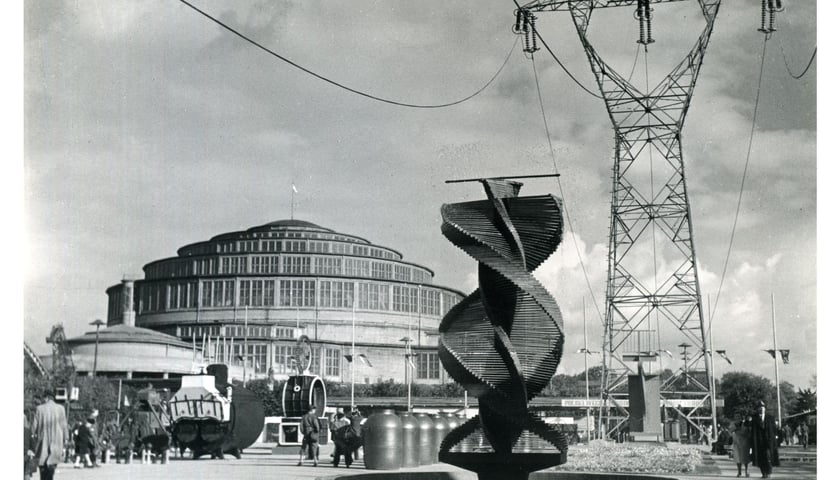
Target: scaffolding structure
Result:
[[653, 294]]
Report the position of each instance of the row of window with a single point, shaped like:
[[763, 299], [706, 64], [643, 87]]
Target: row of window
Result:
[[343, 246], [272, 292], [288, 264], [228, 331], [281, 359]]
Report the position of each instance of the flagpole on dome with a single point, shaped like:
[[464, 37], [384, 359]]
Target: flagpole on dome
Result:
[[776, 358], [294, 191]]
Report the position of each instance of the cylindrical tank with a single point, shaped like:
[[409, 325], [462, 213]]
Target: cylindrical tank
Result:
[[301, 392], [452, 420], [441, 429], [426, 439], [411, 440], [383, 441]]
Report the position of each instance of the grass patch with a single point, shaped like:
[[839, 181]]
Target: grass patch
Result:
[[601, 456]]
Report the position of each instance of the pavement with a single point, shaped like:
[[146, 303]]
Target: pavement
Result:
[[260, 463]]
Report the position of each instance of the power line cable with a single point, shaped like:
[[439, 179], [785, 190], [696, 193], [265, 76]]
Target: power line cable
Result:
[[743, 179], [562, 197], [542, 40], [807, 67], [340, 85]]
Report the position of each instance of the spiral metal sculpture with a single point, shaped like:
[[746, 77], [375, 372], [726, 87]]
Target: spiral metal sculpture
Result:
[[504, 341]]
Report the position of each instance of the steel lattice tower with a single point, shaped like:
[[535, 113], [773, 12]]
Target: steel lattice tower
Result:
[[649, 207]]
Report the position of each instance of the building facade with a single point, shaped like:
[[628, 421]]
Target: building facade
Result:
[[245, 298]]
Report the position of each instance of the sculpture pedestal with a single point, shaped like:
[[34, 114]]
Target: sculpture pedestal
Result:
[[514, 466]]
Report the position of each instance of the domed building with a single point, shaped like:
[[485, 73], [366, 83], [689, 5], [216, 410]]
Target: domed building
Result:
[[245, 298], [125, 351]]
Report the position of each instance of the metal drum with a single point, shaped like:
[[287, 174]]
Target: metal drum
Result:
[[301, 392], [383, 436], [441, 429], [426, 439], [411, 440]]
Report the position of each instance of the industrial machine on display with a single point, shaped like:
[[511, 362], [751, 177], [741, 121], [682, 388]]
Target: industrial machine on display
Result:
[[145, 429], [210, 415], [300, 392]]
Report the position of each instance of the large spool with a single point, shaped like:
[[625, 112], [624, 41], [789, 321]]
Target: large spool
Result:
[[302, 392]]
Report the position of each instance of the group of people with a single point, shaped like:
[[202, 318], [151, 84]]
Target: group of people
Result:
[[345, 429], [47, 439], [757, 439]]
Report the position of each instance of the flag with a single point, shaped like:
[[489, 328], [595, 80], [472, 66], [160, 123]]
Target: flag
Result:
[[349, 358], [411, 361], [294, 189], [772, 353], [126, 402], [365, 360], [785, 356], [722, 353]]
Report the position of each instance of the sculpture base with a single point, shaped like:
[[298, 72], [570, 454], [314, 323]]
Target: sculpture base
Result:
[[515, 466]]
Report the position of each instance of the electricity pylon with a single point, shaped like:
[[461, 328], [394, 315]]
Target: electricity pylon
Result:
[[653, 293]]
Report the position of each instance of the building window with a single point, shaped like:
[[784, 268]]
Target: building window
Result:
[[357, 268], [428, 366], [284, 359], [256, 293], [319, 247], [265, 264], [327, 265], [332, 362], [183, 295], [405, 299], [360, 251], [234, 264], [401, 273], [336, 294], [430, 301], [294, 246], [382, 270], [297, 293], [295, 264], [374, 296]]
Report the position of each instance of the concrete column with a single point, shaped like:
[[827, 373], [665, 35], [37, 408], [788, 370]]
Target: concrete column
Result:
[[128, 303]]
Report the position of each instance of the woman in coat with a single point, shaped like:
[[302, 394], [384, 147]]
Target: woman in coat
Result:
[[741, 441]]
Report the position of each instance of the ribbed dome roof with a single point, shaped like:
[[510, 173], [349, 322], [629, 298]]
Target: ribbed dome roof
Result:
[[127, 334], [294, 223]]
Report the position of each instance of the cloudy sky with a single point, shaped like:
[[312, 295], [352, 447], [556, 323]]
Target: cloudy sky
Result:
[[148, 127]]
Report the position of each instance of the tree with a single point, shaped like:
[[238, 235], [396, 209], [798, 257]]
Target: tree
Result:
[[806, 400], [272, 404], [741, 391]]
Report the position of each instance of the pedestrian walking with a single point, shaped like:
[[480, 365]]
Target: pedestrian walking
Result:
[[741, 441], [340, 427], [765, 452], [49, 427], [310, 428]]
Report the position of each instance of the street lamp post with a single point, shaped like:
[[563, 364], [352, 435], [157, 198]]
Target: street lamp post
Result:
[[97, 323], [407, 341], [585, 351]]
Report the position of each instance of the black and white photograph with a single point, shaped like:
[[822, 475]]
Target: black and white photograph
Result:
[[571, 239]]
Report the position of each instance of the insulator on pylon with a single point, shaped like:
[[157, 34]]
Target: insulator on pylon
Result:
[[532, 20], [520, 18], [642, 14], [768, 7]]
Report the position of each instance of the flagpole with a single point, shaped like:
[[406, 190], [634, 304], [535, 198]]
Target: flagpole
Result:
[[245, 356], [586, 370], [776, 359], [353, 356], [712, 386], [294, 190], [119, 400]]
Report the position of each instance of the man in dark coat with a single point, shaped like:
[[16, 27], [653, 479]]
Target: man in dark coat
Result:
[[309, 427], [765, 451]]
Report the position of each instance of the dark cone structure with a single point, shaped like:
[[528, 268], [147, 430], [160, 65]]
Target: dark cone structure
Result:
[[504, 341]]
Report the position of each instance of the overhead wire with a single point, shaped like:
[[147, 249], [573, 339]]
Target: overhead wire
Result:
[[340, 85], [743, 179], [807, 67], [562, 196], [550, 51]]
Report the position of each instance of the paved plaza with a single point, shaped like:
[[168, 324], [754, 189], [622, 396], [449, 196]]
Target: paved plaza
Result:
[[259, 463]]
